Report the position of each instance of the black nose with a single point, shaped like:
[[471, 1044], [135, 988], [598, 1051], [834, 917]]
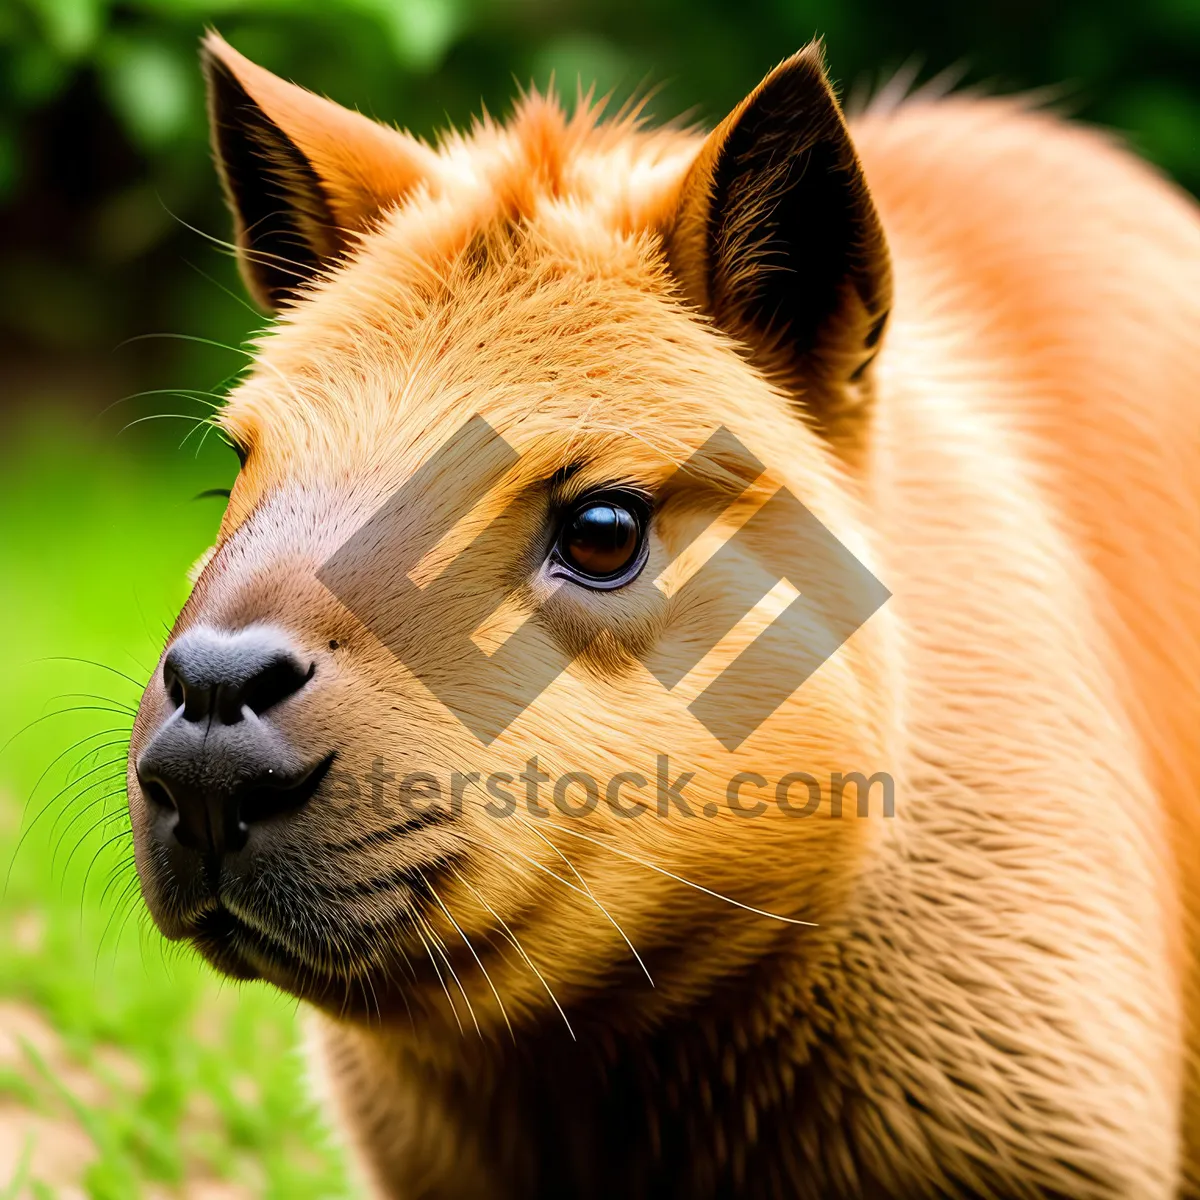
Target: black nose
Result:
[[218, 675], [217, 765]]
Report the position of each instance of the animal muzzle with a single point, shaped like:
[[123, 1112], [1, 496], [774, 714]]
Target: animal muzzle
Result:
[[220, 766]]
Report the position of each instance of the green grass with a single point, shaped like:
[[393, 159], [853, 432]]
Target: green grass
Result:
[[96, 536]]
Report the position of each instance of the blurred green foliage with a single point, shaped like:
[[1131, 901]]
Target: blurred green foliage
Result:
[[103, 149], [95, 542]]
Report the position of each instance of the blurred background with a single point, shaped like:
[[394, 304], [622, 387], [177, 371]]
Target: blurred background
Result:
[[126, 1070]]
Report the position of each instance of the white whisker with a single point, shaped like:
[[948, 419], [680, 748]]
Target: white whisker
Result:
[[762, 912]]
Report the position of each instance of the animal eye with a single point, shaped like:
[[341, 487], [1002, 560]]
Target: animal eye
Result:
[[603, 541]]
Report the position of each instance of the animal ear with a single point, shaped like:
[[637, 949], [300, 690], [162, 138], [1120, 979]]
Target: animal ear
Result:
[[775, 236], [301, 174]]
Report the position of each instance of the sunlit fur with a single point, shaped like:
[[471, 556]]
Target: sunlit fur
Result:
[[993, 996]]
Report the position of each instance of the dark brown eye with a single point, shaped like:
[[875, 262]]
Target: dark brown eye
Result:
[[602, 543]]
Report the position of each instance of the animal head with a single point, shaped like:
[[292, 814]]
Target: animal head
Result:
[[437, 732]]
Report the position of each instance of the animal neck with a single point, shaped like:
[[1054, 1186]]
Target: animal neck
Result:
[[710, 1101]]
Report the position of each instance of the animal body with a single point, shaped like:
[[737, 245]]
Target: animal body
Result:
[[963, 337]]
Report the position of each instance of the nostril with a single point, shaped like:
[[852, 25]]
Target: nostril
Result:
[[174, 687], [153, 787], [274, 683], [157, 794], [208, 673]]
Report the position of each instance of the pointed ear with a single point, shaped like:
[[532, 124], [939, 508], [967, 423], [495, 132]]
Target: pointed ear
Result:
[[775, 236], [302, 175]]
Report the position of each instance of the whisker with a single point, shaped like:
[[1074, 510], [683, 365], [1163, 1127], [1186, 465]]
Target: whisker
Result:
[[127, 901], [440, 946], [88, 753], [589, 891], [123, 742], [116, 765], [185, 337], [50, 803], [72, 784], [213, 399], [262, 257], [228, 291], [115, 875], [107, 819], [526, 859], [117, 705], [102, 799], [208, 428], [437, 970], [686, 882], [92, 663], [37, 721], [118, 837], [305, 975], [166, 417], [112, 709], [250, 354], [512, 937], [75, 809], [207, 424], [474, 955]]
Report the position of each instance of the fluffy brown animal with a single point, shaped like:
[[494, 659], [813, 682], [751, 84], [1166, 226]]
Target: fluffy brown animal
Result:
[[967, 342]]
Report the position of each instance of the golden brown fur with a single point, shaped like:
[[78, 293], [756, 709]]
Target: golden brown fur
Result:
[[998, 993]]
